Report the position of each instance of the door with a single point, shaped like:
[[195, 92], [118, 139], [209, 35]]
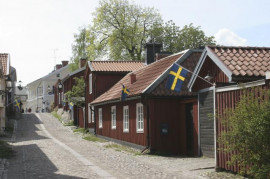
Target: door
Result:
[[189, 129]]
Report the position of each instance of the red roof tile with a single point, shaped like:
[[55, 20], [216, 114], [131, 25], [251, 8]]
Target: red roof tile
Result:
[[244, 61], [145, 76], [116, 66], [4, 62]]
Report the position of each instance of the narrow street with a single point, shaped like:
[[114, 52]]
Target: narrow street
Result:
[[47, 149]]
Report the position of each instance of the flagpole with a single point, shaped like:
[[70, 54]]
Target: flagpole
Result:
[[196, 75]]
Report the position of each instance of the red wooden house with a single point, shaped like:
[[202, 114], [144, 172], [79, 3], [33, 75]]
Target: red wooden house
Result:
[[77, 113], [152, 116], [225, 68], [101, 76], [66, 84]]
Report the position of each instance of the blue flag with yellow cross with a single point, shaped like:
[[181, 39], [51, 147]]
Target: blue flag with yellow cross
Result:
[[125, 93], [176, 78], [17, 105]]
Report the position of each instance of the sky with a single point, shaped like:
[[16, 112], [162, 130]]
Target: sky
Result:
[[39, 33]]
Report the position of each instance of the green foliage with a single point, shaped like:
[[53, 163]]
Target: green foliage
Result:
[[120, 30], [248, 136], [79, 47], [120, 148], [77, 92]]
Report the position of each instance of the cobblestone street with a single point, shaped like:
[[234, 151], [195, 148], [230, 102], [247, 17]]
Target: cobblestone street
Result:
[[47, 149]]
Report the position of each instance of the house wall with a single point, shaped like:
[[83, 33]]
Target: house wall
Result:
[[101, 83], [228, 100], [132, 136], [172, 113]]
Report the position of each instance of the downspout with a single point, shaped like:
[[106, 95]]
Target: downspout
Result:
[[215, 127], [84, 115], [147, 124]]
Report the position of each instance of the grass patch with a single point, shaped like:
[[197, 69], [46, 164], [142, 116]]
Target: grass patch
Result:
[[71, 123], [6, 150], [80, 130], [120, 148], [91, 137], [54, 113]]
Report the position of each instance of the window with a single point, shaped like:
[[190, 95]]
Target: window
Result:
[[100, 117], [113, 117], [125, 119], [90, 84], [93, 114], [89, 113], [139, 117]]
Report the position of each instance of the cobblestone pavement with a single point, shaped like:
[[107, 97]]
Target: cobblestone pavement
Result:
[[46, 149]]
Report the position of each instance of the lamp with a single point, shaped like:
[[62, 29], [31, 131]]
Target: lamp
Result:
[[208, 77], [60, 85], [20, 85]]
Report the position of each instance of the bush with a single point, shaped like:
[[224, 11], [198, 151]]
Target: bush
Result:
[[248, 135]]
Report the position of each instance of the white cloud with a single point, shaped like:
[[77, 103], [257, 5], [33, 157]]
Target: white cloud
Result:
[[227, 37]]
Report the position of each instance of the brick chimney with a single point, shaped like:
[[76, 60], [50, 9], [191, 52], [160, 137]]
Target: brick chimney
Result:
[[82, 62], [58, 66], [150, 50], [132, 78], [64, 63], [161, 55]]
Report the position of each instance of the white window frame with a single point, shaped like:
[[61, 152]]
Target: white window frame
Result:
[[139, 118], [93, 114], [90, 83], [113, 117], [100, 117], [125, 119], [89, 113]]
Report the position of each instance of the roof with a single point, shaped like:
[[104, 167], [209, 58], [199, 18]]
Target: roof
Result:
[[115, 66], [77, 71], [5, 62], [147, 78], [244, 62]]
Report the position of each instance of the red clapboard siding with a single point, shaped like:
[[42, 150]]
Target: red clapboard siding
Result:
[[172, 113], [132, 136], [228, 100]]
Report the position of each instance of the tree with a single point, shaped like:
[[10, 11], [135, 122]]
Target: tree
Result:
[[77, 92], [79, 48], [189, 37], [120, 29], [247, 138]]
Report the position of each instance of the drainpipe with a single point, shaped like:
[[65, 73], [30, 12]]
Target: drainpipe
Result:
[[84, 115], [215, 127], [145, 103]]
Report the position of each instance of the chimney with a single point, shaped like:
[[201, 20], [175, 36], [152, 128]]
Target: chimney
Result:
[[150, 50], [82, 62], [132, 78], [58, 66], [161, 55], [64, 63]]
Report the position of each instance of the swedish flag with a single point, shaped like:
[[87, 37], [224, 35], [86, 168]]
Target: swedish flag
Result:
[[71, 105], [17, 105], [125, 93], [176, 78]]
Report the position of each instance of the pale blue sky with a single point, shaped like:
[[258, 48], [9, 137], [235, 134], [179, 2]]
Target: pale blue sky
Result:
[[31, 29]]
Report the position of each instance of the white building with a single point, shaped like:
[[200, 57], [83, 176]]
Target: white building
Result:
[[41, 93]]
